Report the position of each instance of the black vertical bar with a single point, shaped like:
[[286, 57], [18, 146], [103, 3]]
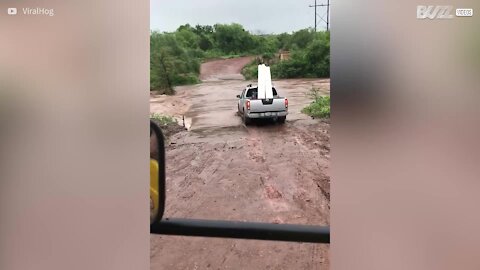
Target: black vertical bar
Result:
[[328, 15], [315, 15]]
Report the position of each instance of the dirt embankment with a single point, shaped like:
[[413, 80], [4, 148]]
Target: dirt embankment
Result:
[[224, 69], [220, 169]]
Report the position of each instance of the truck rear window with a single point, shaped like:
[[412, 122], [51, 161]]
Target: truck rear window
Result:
[[253, 93]]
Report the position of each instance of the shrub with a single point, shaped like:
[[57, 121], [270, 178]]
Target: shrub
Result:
[[185, 79], [320, 106], [250, 71]]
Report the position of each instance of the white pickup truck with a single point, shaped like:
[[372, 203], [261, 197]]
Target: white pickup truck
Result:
[[262, 101]]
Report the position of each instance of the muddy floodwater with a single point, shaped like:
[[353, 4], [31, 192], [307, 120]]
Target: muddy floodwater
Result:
[[221, 169]]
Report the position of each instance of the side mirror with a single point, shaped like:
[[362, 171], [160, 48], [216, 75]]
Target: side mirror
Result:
[[238, 96], [157, 174]]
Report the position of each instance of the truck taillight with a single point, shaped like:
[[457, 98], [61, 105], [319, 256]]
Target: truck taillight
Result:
[[286, 103], [248, 104]]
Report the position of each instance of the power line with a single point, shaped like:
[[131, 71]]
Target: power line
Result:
[[322, 17]]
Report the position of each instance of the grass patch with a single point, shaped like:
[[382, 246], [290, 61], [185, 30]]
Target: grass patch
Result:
[[163, 120], [320, 106], [167, 124]]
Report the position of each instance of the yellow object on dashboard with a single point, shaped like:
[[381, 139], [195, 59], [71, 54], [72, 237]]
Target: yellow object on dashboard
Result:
[[154, 200]]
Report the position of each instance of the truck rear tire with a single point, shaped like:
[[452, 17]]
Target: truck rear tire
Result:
[[281, 119], [246, 119]]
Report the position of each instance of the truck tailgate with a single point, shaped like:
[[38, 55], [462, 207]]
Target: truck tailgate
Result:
[[278, 105]]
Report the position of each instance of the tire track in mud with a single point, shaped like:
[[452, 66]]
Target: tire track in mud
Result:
[[289, 180], [271, 194], [198, 172], [315, 250], [320, 143], [299, 197]]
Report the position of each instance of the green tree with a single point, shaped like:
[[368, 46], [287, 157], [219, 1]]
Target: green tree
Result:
[[185, 27], [160, 65], [302, 38], [284, 41], [205, 42], [265, 44], [187, 38], [232, 38], [203, 30], [171, 63], [318, 57]]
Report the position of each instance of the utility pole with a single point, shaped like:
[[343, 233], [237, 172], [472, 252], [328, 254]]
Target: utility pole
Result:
[[328, 15], [322, 18]]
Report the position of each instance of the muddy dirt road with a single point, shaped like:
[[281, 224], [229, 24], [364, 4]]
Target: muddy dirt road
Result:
[[220, 169]]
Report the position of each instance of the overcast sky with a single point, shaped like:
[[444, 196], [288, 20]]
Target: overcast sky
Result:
[[265, 16]]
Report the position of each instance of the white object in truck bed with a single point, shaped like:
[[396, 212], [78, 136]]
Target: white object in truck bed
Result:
[[264, 82]]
